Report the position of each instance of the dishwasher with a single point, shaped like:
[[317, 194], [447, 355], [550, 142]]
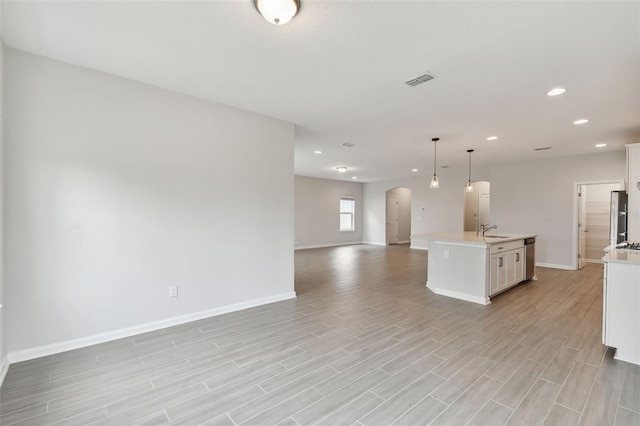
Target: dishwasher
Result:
[[530, 258]]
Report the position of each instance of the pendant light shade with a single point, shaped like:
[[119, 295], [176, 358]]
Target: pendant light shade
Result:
[[468, 187], [278, 12], [434, 181]]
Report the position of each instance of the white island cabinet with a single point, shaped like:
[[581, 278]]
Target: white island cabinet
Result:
[[621, 304], [472, 267]]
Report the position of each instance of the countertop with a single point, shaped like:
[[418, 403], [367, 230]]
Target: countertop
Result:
[[621, 256], [471, 237]]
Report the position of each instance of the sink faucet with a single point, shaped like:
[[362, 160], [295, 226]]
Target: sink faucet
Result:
[[486, 228]]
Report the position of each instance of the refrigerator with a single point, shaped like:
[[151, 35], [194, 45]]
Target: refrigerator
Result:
[[618, 228]]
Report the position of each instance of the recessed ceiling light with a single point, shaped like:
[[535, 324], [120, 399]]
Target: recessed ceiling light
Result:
[[354, 177], [317, 151], [601, 145], [342, 169], [556, 91], [581, 121], [492, 138], [348, 144], [414, 170]]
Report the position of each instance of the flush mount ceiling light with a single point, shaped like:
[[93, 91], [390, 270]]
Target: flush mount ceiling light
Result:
[[581, 121], [469, 188], [601, 145], [492, 138], [556, 91], [317, 151], [434, 181], [342, 169], [278, 12], [354, 177], [414, 170]]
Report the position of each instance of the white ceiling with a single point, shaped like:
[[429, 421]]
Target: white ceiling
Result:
[[337, 71]]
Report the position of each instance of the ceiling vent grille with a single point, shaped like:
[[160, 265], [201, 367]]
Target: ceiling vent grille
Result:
[[419, 80], [544, 148]]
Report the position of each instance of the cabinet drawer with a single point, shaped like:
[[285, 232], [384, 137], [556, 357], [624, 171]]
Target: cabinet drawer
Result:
[[510, 245]]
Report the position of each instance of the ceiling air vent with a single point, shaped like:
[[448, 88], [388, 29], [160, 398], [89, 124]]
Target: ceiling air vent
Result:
[[544, 148], [419, 80]]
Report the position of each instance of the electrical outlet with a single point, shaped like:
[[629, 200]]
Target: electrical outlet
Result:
[[446, 254], [173, 291]]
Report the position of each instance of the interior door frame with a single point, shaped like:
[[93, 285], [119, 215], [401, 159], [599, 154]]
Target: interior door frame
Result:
[[576, 189]]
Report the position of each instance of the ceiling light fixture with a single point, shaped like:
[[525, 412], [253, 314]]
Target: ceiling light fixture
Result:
[[434, 181], [278, 12], [342, 169], [354, 177], [556, 91], [414, 170], [492, 138], [469, 188], [581, 121], [601, 145], [317, 151]]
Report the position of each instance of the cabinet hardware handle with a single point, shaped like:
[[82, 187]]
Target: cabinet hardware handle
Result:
[[500, 248], [499, 262], [517, 257]]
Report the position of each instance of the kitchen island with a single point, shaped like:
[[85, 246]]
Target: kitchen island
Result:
[[473, 267], [621, 304]]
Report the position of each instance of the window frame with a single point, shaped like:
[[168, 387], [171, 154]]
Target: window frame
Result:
[[351, 213]]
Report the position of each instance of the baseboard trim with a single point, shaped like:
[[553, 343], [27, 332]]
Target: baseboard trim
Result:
[[328, 245], [624, 357], [419, 246], [374, 243], [556, 266], [4, 368], [458, 295], [403, 242], [27, 354]]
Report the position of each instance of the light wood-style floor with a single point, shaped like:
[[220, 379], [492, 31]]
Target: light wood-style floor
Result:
[[365, 343]]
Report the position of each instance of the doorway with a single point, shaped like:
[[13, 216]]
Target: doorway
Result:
[[591, 221], [477, 206], [398, 216]]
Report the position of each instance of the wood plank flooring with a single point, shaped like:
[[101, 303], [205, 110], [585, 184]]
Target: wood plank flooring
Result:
[[365, 343]]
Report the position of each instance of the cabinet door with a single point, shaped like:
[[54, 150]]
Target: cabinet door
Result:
[[519, 266], [514, 265], [633, 189], [497, 272]]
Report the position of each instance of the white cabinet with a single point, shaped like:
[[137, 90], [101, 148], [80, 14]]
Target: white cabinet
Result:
[[621, 310], [633, 189], [506, 265]]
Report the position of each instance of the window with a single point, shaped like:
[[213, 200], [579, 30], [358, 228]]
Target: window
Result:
[[347, 214]]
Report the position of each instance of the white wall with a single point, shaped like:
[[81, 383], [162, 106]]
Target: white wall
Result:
[[317, 212], [433, 210], [3, 352], [537, 197], [116, 190], [403, 195]]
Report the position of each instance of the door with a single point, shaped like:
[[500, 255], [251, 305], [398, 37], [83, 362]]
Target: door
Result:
[[483, 208], [392, 220], [582, 222]]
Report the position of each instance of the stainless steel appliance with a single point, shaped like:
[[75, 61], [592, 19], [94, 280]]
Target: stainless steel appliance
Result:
[[618, 224], [530, 258]]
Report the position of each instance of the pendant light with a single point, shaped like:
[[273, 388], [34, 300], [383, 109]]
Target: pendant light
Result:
[[278, 12], [469, 188], [434, 181]]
